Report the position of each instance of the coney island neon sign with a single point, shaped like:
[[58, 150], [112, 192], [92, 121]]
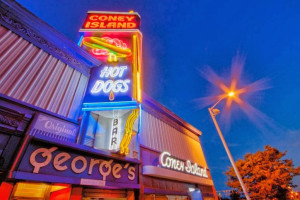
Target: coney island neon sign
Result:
[[106, 20], [169, 162]]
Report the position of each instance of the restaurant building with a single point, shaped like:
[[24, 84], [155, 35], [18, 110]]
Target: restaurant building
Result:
[[173, 164], [75, 124]]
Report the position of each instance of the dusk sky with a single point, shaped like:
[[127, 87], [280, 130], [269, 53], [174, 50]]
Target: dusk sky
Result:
[[181, 38]]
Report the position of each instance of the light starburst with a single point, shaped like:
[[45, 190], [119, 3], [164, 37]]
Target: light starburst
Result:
[[234, 91]]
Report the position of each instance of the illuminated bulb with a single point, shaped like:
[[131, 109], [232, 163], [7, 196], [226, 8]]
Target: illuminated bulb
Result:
[[131, 11], [231, 94]]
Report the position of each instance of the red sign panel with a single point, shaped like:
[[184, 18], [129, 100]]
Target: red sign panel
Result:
[[112, 21]]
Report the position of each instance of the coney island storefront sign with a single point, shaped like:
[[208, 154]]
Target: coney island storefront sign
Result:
[[167, 161], [51, 163]]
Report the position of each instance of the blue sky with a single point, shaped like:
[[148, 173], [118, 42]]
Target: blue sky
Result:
[[183, 37]]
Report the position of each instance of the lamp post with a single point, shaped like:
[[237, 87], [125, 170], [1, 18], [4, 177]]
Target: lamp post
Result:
[[213, 112]]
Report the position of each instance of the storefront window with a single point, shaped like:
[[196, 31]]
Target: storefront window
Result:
[[39, 191], [196, 194]]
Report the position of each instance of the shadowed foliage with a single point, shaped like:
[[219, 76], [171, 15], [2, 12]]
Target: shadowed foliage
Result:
[[265, 173]]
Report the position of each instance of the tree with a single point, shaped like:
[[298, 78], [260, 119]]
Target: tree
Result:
[[234, 195], [266, 174]]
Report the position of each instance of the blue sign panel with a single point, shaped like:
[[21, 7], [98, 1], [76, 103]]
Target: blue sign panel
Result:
[[55, 128], [110, 82]]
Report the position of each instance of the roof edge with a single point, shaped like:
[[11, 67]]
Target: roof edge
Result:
[[168, 113], [27, 25]]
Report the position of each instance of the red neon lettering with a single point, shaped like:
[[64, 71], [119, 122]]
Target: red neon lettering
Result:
[[121, 18], [103, 18], [121, 25], [131, 25], [111, 21], [102, 25], [129, 18], [93, 17], [94, 25], [111, 25], [87, 25], [112, 18]]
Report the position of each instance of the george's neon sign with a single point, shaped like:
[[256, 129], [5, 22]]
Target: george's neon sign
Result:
[[80, 165], [169, 162]]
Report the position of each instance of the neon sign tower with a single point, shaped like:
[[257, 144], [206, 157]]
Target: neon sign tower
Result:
[[114, 89]]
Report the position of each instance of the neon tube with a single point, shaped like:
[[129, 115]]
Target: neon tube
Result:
[[80, 40], [111, 104], [109, 108]]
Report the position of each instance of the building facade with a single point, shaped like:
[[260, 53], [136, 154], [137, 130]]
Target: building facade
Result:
[[57, 142], [173, 164]]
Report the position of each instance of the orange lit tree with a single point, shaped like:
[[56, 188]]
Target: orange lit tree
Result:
[[266, 174]]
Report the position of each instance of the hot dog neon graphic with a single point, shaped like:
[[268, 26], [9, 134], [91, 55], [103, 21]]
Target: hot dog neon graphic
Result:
[[113, 48]]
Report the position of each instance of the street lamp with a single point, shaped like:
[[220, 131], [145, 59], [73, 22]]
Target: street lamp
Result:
[[213, 112]]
